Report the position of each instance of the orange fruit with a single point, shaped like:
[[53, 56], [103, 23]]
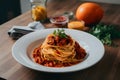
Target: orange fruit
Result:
[[91, 13], [76, 25]]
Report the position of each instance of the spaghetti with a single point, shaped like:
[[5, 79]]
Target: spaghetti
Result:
[[57, 51]]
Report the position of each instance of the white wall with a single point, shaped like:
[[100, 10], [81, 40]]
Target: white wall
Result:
[[106, 1], [25, 4]]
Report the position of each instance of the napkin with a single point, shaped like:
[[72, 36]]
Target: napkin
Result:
[[18, 31]]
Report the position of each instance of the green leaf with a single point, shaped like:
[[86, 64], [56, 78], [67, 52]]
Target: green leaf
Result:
[[106, 33], [60, 33]]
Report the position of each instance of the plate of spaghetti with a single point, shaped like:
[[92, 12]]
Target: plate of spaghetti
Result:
[[58, 50]]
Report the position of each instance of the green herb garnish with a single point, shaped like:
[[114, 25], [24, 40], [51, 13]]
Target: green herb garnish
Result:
[[60, 33], [106, 33]]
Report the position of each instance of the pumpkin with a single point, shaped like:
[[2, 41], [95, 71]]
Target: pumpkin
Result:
[[91, 13]]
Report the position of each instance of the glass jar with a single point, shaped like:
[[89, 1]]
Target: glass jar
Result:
[[39, 12]]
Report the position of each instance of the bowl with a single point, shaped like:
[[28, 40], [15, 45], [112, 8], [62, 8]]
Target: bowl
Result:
[[60, 21]]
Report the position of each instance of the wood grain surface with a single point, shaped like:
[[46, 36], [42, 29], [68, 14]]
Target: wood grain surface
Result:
[[107, 69]]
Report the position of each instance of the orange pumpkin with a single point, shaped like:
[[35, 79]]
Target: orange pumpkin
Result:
[[91, 13]]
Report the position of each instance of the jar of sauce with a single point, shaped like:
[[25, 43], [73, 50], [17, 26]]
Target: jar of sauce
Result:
[[60, 21]]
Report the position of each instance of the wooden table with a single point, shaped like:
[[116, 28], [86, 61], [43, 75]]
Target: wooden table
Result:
[[107, 69]]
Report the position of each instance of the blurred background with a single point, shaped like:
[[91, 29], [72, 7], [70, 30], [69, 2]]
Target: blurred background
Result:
[[10, 9]]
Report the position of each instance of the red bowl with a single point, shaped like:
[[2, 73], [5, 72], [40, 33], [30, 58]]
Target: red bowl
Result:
[[59, 20]]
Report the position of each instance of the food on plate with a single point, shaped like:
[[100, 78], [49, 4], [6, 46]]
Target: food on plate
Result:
[[59, 50], [39, 13], [89, 12], [60, 21]]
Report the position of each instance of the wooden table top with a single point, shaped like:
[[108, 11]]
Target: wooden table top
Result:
[[106, 69]]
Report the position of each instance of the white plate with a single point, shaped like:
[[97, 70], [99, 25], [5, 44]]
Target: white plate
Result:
[[23, 47]]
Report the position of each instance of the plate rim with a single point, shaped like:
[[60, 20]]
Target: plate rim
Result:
[[55, 70]]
